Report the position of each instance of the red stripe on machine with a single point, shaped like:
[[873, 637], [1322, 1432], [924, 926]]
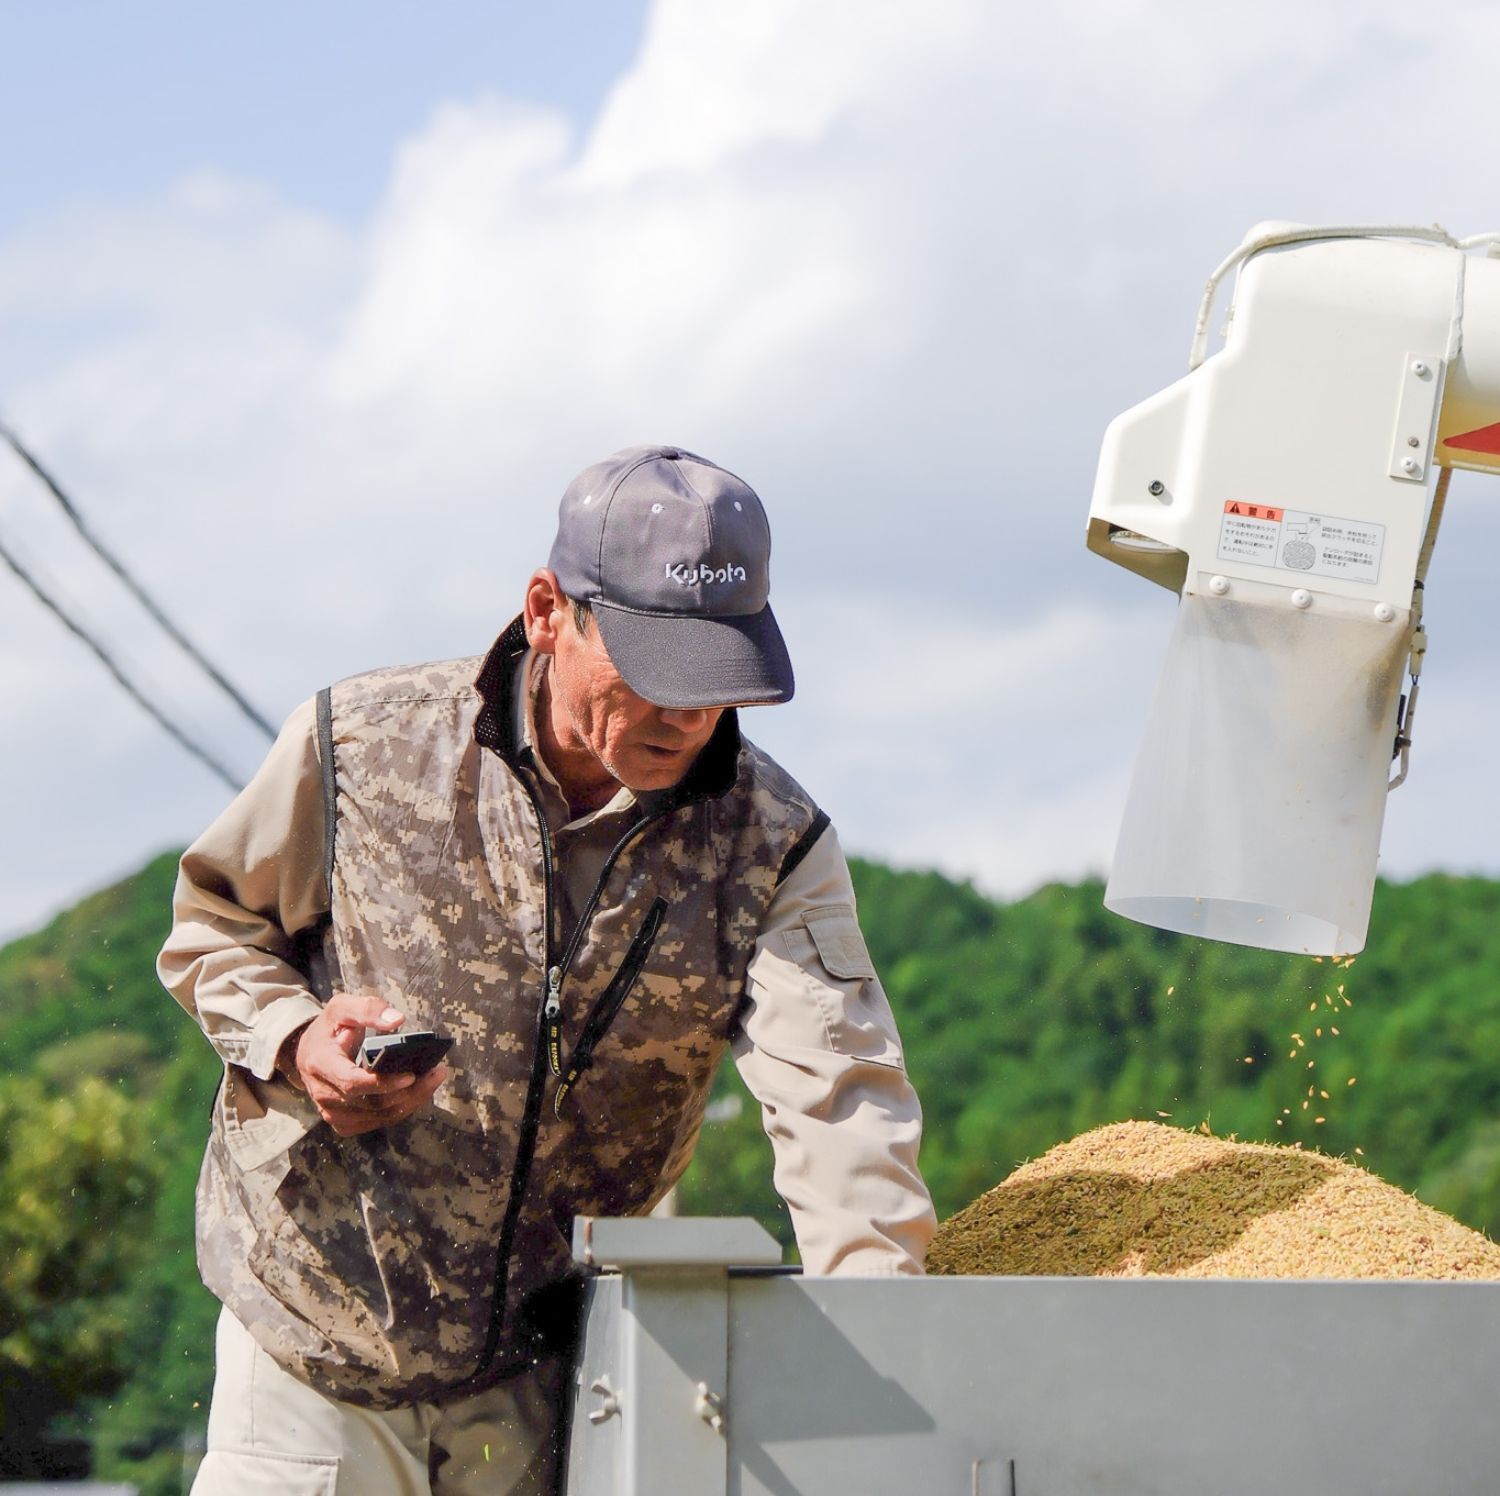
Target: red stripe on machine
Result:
[[1484, 439]]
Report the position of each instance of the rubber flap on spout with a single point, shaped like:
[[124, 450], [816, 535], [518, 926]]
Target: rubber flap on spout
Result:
[[1255, 811]]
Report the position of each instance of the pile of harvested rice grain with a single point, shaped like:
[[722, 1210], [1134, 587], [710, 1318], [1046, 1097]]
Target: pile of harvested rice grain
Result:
[[1139, 1199]]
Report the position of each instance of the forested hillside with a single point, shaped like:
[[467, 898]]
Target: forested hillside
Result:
[[1024, 1024]]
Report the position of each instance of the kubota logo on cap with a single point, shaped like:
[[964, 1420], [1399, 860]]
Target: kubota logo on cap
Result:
[[695, 576]]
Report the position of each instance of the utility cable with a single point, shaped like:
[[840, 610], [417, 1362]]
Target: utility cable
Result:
[[139, 592], [105, 659]]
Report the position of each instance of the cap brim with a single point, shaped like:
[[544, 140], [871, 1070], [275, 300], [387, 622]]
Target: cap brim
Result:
[[685, 660]]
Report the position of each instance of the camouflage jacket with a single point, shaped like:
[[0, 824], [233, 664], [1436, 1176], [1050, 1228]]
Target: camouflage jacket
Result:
[[403, 1265]]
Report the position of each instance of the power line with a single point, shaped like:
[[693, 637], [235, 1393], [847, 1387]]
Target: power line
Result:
[[105, 659], [139, 592]]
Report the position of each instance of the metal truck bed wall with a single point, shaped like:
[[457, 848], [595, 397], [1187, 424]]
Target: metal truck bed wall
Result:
[[1018, 1386]]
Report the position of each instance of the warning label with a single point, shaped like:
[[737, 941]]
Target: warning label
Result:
[[1249, 532], [1319, 545]]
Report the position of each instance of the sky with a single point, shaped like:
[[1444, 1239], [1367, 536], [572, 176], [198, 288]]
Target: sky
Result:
[[315, 309]]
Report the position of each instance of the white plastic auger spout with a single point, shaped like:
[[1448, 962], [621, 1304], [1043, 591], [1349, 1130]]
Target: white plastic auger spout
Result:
[[1285, 489]]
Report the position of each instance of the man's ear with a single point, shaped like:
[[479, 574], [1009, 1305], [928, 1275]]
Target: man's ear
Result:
[[545, 606]]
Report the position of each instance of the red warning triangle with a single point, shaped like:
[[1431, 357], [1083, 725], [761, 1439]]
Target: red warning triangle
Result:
[[1484, 439]]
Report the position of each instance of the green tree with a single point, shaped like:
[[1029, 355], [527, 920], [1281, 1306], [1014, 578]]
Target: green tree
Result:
[[75, 1181], [1024, 1024]]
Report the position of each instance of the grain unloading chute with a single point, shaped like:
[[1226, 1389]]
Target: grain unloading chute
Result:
[[707, 1371], [1289, 489]]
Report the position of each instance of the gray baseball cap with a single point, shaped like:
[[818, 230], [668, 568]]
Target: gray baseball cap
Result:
[[673, 554]]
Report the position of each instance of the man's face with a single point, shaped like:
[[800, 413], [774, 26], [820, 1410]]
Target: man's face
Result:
[[591, 710]]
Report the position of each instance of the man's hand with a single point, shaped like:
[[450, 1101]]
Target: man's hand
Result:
[[319, 1059]]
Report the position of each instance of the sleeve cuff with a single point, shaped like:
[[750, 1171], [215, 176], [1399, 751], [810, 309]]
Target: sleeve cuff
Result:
[[278, 1019]]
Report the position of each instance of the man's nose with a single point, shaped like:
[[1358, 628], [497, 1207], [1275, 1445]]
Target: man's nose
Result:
[[686, 719]]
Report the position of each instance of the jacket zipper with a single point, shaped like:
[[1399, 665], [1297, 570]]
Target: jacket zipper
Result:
[[610, 1001], [555, 974], [548, 1021]]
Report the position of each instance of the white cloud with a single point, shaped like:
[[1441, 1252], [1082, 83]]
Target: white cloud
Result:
[[897, 271], [948, 738]]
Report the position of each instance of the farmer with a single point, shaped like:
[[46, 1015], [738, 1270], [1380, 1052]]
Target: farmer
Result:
[[564, 858]]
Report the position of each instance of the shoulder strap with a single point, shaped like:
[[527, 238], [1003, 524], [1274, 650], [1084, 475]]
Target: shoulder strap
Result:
[[330, 782], [804, 845]]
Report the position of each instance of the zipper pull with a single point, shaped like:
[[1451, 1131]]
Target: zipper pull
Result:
[[553, 1011]]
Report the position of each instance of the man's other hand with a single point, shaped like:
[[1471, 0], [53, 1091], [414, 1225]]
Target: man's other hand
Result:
[[319, 1059]]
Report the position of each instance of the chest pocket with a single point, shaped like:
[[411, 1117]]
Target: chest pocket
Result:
[[605, 1008]]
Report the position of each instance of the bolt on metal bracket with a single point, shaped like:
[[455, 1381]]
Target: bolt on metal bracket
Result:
[[709, 1406], [1417, 401]]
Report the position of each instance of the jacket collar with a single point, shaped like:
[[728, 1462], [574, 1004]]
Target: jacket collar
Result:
[[714, 771]]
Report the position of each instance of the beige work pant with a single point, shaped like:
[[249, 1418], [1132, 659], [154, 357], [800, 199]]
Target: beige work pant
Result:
[[269, 1432]]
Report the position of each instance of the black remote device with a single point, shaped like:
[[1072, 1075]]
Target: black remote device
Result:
[[403, 1054]]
